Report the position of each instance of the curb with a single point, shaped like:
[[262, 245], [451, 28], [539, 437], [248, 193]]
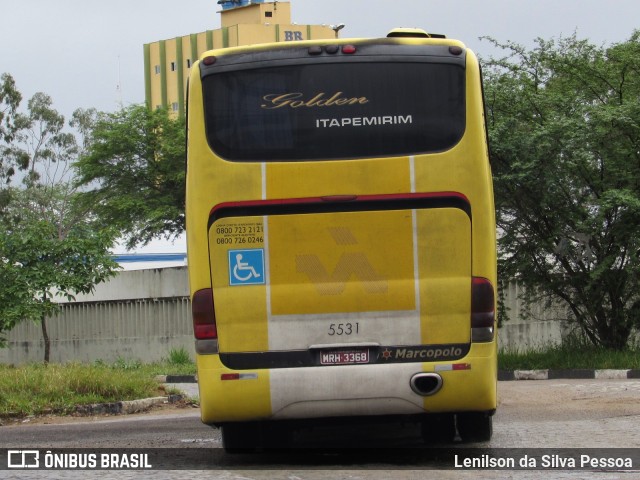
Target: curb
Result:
[[586, 374], [128, 406], [136, 406], [176, 379]]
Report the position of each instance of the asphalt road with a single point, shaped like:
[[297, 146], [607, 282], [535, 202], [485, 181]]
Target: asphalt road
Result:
[[580, 414]]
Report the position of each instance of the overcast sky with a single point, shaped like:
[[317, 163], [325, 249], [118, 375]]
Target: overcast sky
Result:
[[79, 51]]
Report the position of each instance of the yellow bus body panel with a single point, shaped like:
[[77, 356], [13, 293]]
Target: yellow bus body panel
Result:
[[243, 311], [333, 263], [230, 400], [435, 253]]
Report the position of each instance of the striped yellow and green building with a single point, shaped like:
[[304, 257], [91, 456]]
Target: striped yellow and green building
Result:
[[244, 22]]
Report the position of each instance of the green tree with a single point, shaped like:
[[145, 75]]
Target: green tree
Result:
[[50, 245], [564, 128], [48, 250], [10, 99], [134, 173]]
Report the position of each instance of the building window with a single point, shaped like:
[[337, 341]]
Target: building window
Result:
[[173, 66], [268, 14], [174, 106], [157, 69], [188, 63]]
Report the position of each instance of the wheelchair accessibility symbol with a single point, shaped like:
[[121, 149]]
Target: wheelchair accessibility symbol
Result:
[[246, 267]]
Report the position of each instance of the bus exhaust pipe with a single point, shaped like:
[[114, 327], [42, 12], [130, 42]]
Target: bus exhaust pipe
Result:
[[426, 384]]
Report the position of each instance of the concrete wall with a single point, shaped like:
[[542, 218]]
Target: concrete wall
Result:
[[525, 329], [136, 284], [138, 315], [144, 314]]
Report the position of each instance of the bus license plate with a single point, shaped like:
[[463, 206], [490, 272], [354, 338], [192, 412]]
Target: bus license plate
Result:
[[344, 358]]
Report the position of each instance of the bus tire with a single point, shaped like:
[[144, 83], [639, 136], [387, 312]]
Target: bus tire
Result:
[[255, 436], [241, 437], [439, 428], [278, 435], [475, 426]]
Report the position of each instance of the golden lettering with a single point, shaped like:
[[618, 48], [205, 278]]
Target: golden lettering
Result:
[[275, 101]]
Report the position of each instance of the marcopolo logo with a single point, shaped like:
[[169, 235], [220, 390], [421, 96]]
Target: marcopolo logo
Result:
[[422, 353], [427, 353]]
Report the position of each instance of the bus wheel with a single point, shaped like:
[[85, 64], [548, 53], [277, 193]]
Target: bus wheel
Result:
[[255, 436], [241, 437], [475, 427], [440, 428], [279, 435]]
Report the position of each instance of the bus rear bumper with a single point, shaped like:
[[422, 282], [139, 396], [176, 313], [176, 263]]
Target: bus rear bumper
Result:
[[352, 390]]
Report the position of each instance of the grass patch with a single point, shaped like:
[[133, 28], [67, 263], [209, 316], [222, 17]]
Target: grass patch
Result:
[[179, 357], [40, 389], [37, 389], [570, 357], [178, 363]]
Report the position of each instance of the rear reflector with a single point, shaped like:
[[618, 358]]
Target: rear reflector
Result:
[[203, 314], [239, 376], [461, 366], [453, 367]]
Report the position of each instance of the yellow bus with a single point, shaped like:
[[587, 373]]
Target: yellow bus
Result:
[[341, 237]]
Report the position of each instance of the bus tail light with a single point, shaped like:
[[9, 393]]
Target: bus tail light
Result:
[[203, 314], [483, 311]]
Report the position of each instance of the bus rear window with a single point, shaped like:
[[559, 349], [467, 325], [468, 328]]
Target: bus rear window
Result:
[[334, 111]]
